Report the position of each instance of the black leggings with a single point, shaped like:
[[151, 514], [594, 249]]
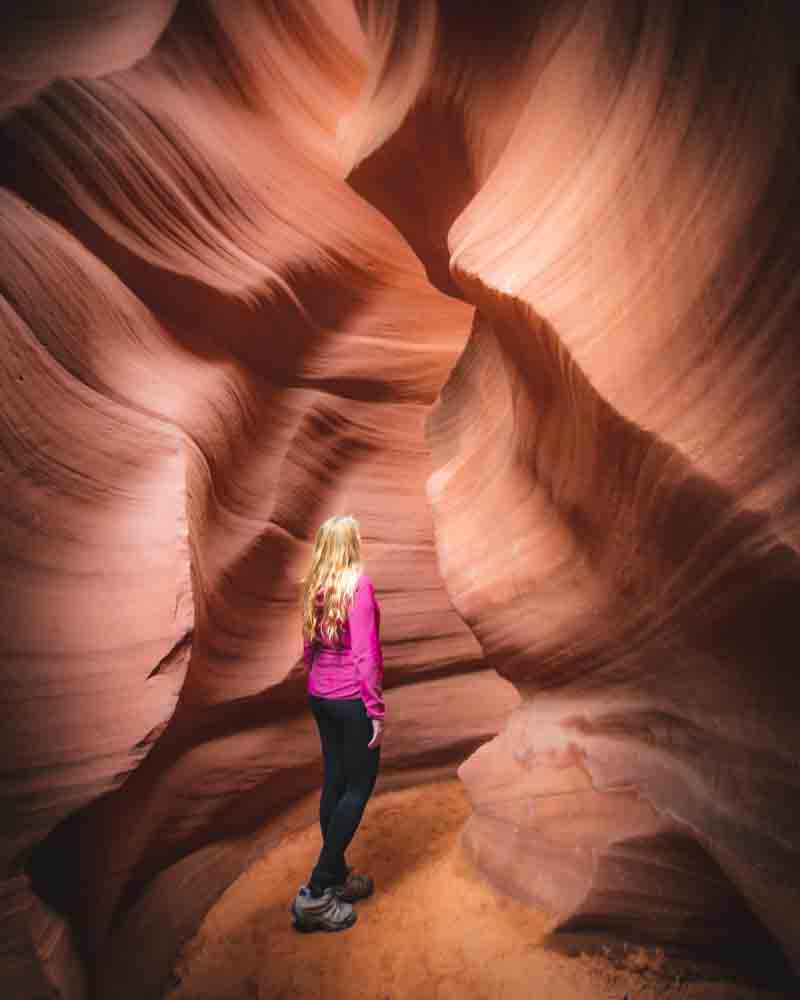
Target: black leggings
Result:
[[350, 770]]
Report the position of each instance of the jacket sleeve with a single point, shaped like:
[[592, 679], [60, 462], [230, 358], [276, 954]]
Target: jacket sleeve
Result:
[[364, 619], [308, 653]]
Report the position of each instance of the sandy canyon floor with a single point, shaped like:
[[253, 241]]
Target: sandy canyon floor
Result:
[[434, 930]]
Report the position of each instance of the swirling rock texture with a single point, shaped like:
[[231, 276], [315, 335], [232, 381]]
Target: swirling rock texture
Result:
[[515, 283]]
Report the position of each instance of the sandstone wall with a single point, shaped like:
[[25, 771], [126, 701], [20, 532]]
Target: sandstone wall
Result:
[[517, 286]]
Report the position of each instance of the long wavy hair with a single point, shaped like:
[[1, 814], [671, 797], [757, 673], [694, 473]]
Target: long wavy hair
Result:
[[335, 569]]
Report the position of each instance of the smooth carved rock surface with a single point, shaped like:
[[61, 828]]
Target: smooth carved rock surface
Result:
[[519, 288]]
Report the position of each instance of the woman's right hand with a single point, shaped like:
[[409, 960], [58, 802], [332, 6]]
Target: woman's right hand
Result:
[[377, 733]]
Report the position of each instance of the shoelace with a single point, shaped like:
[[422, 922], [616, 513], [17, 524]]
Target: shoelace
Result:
[[339, 911]]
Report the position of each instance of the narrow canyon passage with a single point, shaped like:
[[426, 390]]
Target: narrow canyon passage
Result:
[[515, 284]]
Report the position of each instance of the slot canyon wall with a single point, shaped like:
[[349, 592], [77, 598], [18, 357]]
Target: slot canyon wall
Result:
[[515, 283]]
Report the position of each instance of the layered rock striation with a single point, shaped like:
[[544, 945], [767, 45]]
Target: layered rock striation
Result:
[[517, 287]]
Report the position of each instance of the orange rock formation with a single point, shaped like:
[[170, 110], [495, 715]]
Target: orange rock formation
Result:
[[517, 284]]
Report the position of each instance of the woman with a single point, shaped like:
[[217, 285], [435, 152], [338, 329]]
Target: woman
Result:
[[342, 654]]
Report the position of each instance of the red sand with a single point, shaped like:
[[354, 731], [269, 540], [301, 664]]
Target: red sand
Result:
[[434, 930]]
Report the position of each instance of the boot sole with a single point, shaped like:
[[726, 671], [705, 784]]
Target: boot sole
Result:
[[307, 927]]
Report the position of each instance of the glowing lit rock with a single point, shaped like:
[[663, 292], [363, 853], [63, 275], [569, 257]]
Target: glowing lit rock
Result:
[[518, 288]]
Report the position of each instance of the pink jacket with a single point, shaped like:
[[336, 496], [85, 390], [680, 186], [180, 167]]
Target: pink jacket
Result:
[[352, 668]]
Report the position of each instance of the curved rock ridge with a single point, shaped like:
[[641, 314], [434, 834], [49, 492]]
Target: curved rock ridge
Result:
[[213, 337], [518, 287], [629, 384], [45, 40], [639, 589]]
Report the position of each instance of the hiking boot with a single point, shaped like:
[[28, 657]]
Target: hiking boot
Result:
[[321, 913], [354, 887]]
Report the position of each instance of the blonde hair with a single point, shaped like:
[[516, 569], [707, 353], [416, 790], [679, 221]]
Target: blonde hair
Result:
[[335, 569]]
